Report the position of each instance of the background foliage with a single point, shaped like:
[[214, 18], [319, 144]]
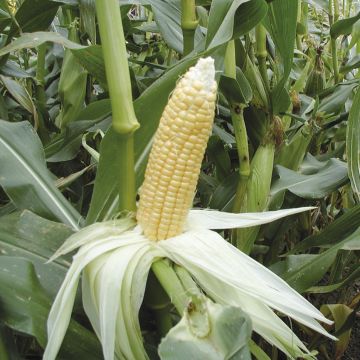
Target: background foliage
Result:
[[296, 78]]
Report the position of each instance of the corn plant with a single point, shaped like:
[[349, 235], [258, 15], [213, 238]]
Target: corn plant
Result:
[[193, 165]]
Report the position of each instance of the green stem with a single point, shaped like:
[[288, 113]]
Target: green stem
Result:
[[171, 284], [187, 281], [304, 16], [149, 20], [298, 43], [40, 66], [170, 55], [333, 43], [237, 116], [348, 8], [230, 60], [336, 10], [116, 66], [163, 321], [40, 92], [127, 190], [158, 301], [189, 24], [335, 60], [124, 120], [40, 74], [261, 53]]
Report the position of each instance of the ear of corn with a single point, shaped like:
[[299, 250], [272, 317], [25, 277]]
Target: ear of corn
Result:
[[258, 189], [175, 159], [316, 80]]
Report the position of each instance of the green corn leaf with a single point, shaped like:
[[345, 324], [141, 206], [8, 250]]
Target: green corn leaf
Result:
[[91, 58], [230, 19], [324, 178], [5, 17], [353, 145], [87, 17], [219, 156], [281, 24], [344, 318], [167, 15], [34, 16], [34, 39], [34, 238], [25, 178], [25, 307], [335, 102], [349, 280], [21, 95], [224, 193], [236, 90], [312, 268], [342, 227], [352, 63], [72, 84], [343, 26]]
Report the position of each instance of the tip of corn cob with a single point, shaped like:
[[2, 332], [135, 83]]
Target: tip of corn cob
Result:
[[203, 73]]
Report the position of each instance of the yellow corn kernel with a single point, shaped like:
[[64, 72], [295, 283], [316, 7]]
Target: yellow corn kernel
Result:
[[175, 159]]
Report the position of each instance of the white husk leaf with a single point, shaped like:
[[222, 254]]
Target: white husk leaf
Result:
[[218, 266], [217, 220], [115, 259], [108, 280], [92, 233]]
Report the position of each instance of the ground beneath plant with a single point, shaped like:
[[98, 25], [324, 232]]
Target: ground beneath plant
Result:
[[353, 350]]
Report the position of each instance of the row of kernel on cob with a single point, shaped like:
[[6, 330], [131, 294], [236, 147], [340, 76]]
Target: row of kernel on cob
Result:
[[174, 164]]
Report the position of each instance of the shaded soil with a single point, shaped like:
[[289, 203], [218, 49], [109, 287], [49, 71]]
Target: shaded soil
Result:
[[353, 350]]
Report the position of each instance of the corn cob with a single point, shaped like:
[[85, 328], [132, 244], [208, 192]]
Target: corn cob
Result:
[[316, 80], [175, 159]]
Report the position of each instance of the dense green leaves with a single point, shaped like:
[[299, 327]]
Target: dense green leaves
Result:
[[281, 24], [342, 227], [229, 19], [334, 102], [25, 306], [32, 237], [25, 177], [35, 39], [238, 91], [56, 109], [22, 96], [353, 145]]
